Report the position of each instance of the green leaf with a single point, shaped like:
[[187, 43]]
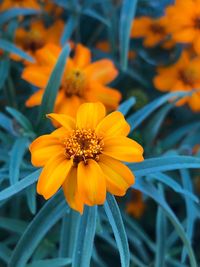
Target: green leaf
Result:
[[19, 186], [85, 238], [15, 12], [46, 218], [128, 11], [138, 117], [126, 105], [59, 262], [53, 85], [17, 153], [166, 163], [11, 48], [149, 190], [21, 119], [115, 220]]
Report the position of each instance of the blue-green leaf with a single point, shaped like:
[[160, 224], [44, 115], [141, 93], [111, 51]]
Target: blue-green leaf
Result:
[[4, 71], [126, 105], [69, 28], [11, 48], [138, 117], [51, 90], [127, 14], [5, 253], [166, 163], [15, 12], [21, 119], [160, 238], [85, 238], [114, 217], [50, 213], [152, 192], [16, 155], [13, 225], [59, 262], [167, 180], [69, 232], [190, 209], [19, 186]]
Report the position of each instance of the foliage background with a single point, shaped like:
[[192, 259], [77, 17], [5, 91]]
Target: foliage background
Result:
[[38, 233]]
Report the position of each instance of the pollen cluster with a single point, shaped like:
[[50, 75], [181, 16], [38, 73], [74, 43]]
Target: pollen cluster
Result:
[[74, 83], [83, 144]]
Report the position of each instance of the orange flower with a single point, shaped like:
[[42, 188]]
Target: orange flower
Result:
[[184, 24], [136, 206], [105, 47], [152, 30], [52, 9], [84, 156], [184, 75], [7, 4], [82, 81], [37, 36]]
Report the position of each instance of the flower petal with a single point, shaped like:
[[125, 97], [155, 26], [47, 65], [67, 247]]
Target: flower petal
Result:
[[53, 175], [82, 56], [103, 71], [108, 96], [118, 176], [123, 148], [62, 119], [43, 147], [36, 75], [91, 183], [113, 125], [72, 196], [35, 99], [89, 115]]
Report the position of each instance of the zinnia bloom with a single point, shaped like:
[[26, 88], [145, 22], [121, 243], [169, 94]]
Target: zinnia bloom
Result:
[[84, 156], [184, 75], [7, 4], [152, 30], [184, 18], [37, 35], [82, 80], [136, 205]]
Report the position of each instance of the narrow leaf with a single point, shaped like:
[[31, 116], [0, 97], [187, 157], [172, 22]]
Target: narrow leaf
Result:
[[115, 220], [85, 238]]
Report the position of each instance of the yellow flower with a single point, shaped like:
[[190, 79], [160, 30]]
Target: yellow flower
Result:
[[7, 4], [84, 156], [184, 75], [82, 80], [184, 22], [136, 206]]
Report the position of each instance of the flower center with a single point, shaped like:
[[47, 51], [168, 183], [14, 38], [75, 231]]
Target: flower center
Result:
[[83, 144], [74, 83], [33, 41], [187, 76], [157, 29], [197, 22]]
